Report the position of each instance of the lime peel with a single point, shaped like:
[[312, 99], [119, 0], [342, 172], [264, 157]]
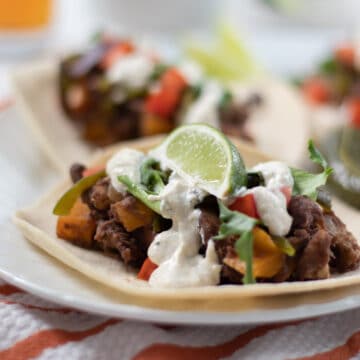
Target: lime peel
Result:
[[204, 157]]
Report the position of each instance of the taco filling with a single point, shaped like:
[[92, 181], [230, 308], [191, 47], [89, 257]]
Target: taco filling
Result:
[[118, 90], [195, 216]]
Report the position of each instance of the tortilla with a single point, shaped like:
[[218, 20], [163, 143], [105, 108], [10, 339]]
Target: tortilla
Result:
[[38, 225], [272, 125]]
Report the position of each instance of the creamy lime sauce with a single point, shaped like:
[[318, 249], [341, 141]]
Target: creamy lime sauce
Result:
[[132, 71], [270, 201], [206, 108], [124, 162], [176, 251], [191, 72]]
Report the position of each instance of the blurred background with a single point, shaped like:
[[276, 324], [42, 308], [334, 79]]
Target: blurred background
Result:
[[287, 36], [286, 39]]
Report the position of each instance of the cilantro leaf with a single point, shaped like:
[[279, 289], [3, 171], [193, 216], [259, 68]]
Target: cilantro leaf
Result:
[[151, 176], [306, 183], [244, 249], [225, 99], [236, 223], [329, 66], [316, 156]]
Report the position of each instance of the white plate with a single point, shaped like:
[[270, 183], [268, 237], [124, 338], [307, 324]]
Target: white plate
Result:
[[25, 175]]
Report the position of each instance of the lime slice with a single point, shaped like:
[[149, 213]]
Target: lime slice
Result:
[[205, 157], [227, 59]]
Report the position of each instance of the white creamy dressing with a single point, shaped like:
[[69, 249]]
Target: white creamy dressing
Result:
[[191, 72], [124, 162], [131, 70], [176, 251], [205, 108], [270, 201]]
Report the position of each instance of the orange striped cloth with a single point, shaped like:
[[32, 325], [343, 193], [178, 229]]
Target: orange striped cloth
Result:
[[32, 328]]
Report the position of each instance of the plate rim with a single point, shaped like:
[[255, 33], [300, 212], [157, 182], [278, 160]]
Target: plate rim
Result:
[[181, 317]]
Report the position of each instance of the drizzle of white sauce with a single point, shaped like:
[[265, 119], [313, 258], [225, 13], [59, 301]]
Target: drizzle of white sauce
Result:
[[191, 71], [270, 201], [176, 251], [124, 162], [132, 71], [275, 173], [205, 108]]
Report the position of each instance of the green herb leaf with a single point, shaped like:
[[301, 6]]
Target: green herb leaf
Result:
[[284, 245], [316, 156], [66, 202], [159, 69], [244, 249], [151, 176], [306, 183], [140, 193], [328, 67], [225, 99], [236, 223]]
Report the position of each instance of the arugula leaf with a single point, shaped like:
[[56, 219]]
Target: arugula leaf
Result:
[[140, 192], [151, 176], [236, 223], [306, 183]]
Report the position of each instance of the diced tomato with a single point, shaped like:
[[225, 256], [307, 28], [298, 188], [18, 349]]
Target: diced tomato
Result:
[[164, 101], [246, 205], [287, 191], [345, 54], [92, 170], [116, 51], [353, 106], [316, 91], [146, 270]]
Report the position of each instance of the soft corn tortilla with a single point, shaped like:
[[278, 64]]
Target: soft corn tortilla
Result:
[[272, 125], [38, 225]]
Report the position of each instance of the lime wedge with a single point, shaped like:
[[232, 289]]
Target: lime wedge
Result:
[[205, 157], [227, 58]]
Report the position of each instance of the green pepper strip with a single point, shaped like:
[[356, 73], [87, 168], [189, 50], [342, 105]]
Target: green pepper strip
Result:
[[284, 245], [67, 201]]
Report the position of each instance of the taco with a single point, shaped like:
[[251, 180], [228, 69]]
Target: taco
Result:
[[186, 218], [118, 90]]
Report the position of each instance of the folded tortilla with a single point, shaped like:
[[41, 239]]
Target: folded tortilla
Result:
[[272, 125], [38, 225]]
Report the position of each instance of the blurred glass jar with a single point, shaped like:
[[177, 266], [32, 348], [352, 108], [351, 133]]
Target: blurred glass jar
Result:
[[23, 25]]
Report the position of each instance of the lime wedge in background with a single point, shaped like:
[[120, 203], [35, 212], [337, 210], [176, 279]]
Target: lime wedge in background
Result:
[[204, 156], [227, 60]]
